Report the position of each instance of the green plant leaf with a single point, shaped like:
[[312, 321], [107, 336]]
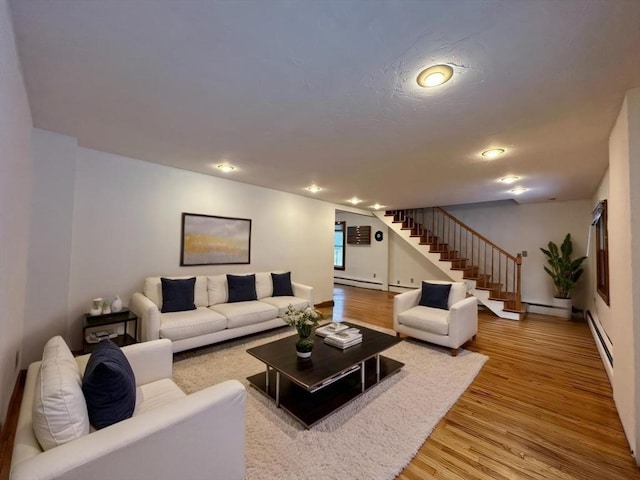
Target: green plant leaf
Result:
[[563, 271]]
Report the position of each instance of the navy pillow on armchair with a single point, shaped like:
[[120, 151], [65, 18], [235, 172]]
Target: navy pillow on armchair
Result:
[[109, 385], [435, 295]]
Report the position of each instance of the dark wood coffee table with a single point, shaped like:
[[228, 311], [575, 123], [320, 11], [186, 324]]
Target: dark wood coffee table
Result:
[[311, 389]]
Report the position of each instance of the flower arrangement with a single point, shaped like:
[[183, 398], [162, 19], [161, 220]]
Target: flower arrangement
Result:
[[303, 319]]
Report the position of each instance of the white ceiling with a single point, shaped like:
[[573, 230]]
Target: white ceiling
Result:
[[295, 92]]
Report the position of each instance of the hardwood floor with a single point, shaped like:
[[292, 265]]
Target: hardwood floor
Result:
[[541, 408]]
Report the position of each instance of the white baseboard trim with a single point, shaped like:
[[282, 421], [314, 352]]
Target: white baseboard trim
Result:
[[355, 282], [403, 288], [546, 309]]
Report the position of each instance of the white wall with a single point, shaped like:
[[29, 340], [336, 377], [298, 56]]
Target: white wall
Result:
[[624, 263], [633, 322], [51, 226], [126, 225], [365, 262], [15, 192], [528, 227], [407, 267]]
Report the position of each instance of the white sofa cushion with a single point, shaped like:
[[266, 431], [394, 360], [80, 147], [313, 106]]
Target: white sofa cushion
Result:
[[217, 289], [59, 409], [430, 319], [153, 290], [264, 285], [240, 314], [155, 394], [193, 323], [281, 303]]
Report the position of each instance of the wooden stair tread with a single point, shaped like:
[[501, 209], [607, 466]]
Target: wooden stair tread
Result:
[[449, 248]]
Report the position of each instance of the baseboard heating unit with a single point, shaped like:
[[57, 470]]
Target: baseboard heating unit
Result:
[[355, 282]]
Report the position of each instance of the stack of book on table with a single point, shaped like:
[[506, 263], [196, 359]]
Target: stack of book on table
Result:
[[331, 328], [345, 339]]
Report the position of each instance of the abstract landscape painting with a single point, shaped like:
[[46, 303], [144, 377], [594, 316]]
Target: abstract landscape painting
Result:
[[210, 240]]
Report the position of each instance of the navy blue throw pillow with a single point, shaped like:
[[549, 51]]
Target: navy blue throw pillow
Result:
[[282, 284], [435, 295], [177, 295], [109, 385], [242, 288]]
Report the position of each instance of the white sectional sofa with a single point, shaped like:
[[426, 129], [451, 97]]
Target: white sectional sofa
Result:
[[214, 318], [170, 435]]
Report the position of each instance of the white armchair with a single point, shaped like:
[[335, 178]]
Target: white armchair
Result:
[[170, 435], [448, 328]]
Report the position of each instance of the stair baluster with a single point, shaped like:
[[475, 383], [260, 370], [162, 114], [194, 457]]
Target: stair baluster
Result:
[[478, 258]]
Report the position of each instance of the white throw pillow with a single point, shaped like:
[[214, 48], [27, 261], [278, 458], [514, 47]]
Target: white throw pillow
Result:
[[264, 285], [59, 409], [218, 290]]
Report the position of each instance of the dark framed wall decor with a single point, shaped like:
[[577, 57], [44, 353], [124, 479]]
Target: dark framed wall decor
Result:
[[211, 240]]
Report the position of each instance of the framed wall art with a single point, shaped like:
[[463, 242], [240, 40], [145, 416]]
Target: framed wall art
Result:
[[210, 240]]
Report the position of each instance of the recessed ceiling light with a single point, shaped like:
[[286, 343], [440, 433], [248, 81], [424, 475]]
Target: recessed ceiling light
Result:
[[493, 153], [518, 190], [435, 75], [376, 206], [509, 179], [354, 200], [225, 167], [313, 188]]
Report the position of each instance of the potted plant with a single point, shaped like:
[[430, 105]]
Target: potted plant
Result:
[[564, 271], [304, 320]]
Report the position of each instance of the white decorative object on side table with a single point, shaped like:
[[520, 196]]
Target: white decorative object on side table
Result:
[[96, 307], [116, 304]]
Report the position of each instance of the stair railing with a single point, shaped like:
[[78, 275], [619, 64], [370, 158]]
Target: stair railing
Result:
[[490, 266]]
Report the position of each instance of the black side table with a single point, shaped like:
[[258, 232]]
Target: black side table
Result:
[[124, 317]]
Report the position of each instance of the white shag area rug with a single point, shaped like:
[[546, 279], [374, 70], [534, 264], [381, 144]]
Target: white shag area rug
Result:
[[372, 438]]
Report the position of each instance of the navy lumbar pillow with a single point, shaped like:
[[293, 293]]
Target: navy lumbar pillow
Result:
[[242, 288], [109, 385], [178, 295], [282, 284], [435, 295]]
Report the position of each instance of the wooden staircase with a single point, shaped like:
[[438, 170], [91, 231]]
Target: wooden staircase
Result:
[[491, 274]]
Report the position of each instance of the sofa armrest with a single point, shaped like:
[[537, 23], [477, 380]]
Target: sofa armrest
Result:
[[149, 316], [203, 432], [463, 320], [150, 361], [303, 291], [403, 302]]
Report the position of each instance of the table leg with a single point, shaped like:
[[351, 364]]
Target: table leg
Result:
[[377, 368], [277, 389], [362, 376], [267, 380]]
